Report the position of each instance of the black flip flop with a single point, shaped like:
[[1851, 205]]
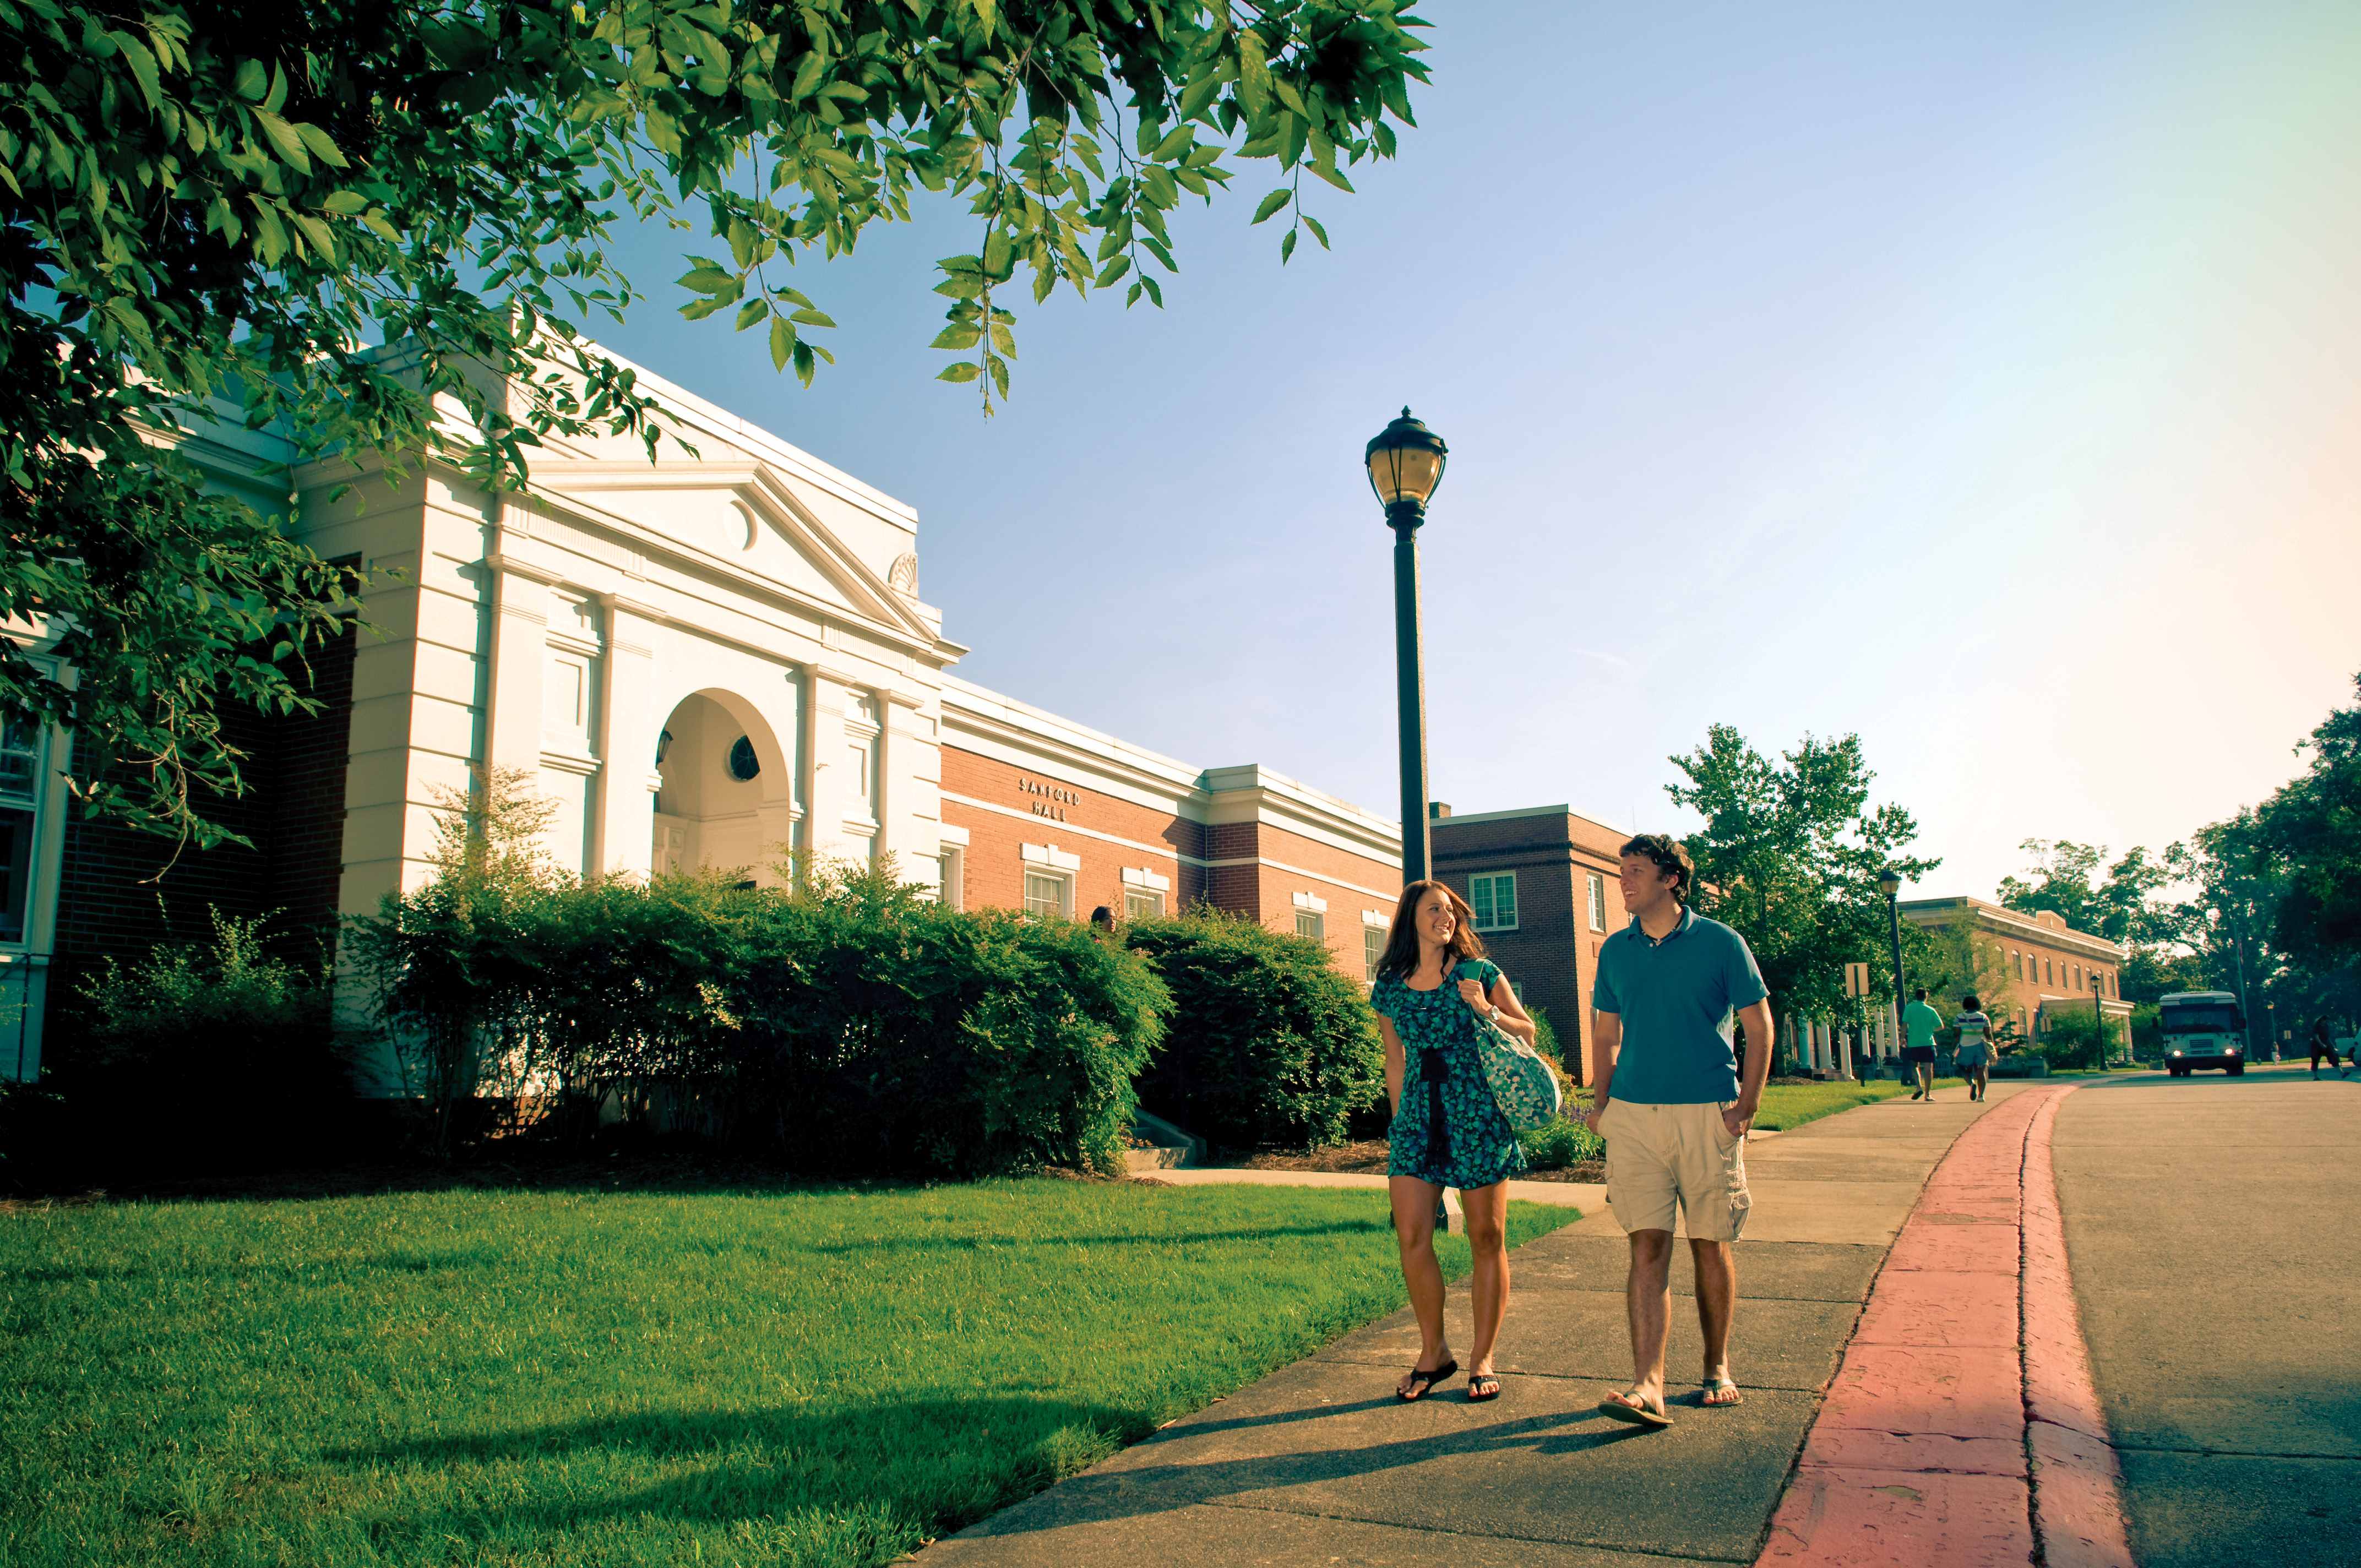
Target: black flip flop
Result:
[[1614, 1409], [1424, 1382], [1476, 1377]]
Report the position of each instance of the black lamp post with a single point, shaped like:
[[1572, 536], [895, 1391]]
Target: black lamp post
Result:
[[1889, 882], [1405, 461]]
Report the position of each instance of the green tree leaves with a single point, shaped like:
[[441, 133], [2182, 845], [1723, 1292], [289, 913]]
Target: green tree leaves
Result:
[[198, 202], [1789, 856]]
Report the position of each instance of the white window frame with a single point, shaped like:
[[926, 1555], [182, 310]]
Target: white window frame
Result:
[[865, 730], [1311, 923], [1595, 894], [1062, 880], [1373, 947], [1142, 903], [1491, 881]]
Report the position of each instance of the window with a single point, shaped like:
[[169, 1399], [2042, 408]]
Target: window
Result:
[[1598, 892], [1046, 894], [2049, 975], [20, 786], [1312, 924], [1373, 950], [954, 882], [1142, 904], [744, 765], [1493, 896]]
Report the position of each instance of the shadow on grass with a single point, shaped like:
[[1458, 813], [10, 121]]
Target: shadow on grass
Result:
[[1138, 1238], [935, 1465], [217, 1270]]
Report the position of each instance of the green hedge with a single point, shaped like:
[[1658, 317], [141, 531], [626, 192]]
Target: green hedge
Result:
[[1269, 1042], [854, 1028], [210, 1056]]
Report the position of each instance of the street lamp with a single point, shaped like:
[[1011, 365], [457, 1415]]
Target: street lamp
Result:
[[1405, 461], [1889, 882]]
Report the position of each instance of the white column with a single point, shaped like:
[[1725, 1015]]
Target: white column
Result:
[[910, 763], [624, 806], [512, 685], [830, 797]]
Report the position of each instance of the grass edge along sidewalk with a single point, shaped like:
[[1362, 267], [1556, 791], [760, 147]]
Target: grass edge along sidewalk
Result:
[[574, 1377], [1786, 1106]]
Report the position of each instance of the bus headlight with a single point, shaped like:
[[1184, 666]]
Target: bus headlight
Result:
[[2176, 1052]]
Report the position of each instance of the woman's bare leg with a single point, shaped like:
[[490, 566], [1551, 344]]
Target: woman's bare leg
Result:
[[1413, 1203], [1487, 1211]]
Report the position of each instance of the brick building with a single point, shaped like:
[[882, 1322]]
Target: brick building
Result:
[[713, 661], [2047, 965], [1541, 882]]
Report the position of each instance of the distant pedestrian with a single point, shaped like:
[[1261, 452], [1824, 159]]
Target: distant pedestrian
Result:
[[1670, 986], [1447, 1130], [1102, 918], [1919, 1023], [1975, 1048], [2324, 1044]]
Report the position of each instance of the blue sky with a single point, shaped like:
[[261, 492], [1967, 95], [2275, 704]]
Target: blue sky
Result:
[[1986, 383]]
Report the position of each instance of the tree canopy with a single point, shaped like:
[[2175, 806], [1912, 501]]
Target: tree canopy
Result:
[[222, 206], [1789, 856]]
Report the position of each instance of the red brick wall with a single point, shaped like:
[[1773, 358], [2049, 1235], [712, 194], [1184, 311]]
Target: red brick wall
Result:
[[112, 900], [993, 865], [1553, 955], [995, 873]]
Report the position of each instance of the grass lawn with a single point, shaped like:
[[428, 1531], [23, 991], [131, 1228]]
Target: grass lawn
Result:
[[611, 1378], [1786, 1105]]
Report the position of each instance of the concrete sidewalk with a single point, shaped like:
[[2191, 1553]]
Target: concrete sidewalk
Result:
[[1318, 1463]]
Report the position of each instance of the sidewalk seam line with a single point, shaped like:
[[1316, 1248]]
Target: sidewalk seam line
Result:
[[1470, 1534]]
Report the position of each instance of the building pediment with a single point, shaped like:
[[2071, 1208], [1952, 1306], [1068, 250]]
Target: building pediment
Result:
[[745, 522]]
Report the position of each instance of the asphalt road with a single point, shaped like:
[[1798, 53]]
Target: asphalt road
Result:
[[2209, 1222]]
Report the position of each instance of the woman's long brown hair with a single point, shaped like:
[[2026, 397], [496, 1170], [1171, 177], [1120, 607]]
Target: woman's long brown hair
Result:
[[1400, 956]]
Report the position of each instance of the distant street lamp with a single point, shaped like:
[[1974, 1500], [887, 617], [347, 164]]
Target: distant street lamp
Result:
[[1405, 461], [1889, 882]]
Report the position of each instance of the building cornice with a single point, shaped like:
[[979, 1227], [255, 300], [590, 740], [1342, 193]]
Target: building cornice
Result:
[[1999, 920]]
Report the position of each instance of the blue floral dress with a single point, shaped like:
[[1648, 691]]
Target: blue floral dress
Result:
[[1447, 1130]]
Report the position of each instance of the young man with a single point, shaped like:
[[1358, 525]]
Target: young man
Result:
[[1670, 1103], [2324, 1044], [1919, 1023]]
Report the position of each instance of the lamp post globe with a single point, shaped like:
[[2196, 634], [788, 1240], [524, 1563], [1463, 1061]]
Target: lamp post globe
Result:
[[1405, 461], [1405, 466]]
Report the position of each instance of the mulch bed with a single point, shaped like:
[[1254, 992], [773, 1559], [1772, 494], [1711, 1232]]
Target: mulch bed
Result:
[[1369, 1159]]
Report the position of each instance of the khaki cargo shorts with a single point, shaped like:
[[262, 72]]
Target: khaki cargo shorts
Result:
[[1661, 1158]]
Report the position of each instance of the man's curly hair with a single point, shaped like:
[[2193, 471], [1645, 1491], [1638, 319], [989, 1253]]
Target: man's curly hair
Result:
[[1672, 861]]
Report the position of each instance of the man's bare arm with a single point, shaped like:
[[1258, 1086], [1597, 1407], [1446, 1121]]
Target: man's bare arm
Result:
[[1607, 1040], [1756, 1022]]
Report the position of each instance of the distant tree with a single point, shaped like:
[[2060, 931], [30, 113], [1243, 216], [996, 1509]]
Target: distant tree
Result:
[[1789, 855], [218, 205], [2307, 838], [2126, 903]]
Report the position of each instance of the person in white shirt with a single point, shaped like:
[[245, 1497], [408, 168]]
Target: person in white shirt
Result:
[[1974, 1057]]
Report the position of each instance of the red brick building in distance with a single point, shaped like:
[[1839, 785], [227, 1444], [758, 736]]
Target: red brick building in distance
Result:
[[1542, 882], [1042, 814]]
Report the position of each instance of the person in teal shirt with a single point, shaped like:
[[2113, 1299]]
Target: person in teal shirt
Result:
[[1919, 1023]]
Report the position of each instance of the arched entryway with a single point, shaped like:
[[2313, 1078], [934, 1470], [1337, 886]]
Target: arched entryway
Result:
[[725, 797]]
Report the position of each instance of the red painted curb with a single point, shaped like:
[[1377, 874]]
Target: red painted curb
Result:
[[2077, 1499], [1962, 1426]]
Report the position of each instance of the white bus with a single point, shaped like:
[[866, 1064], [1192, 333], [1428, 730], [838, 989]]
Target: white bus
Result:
[[2202, 1029]]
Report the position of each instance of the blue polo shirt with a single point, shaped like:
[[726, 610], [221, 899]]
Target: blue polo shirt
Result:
[[1678, 999]]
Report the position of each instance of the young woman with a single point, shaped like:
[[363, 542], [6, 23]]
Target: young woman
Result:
[[1974, 1057], [1446, 1131]]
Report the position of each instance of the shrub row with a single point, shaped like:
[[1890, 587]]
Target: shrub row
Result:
[[852, 1029]]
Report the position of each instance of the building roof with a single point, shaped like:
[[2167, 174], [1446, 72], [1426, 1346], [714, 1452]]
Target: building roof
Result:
[[2046, 927]]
